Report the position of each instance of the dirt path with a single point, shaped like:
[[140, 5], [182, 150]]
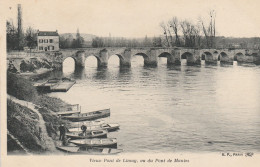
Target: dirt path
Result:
[[48, 140]]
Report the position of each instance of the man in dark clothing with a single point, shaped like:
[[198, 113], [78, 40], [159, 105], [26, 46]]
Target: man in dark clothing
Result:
[[84, 129], [63, 130]]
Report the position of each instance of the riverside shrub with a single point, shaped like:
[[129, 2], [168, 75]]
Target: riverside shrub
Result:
[[20, 88]]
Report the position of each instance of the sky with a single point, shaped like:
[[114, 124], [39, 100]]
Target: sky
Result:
[[134, 18]]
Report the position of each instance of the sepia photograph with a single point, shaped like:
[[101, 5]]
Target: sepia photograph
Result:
[[130, 83]]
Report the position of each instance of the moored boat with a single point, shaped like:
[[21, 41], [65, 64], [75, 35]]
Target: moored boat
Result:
[[104, 126], [88, 116], [100, 151], [90, 151], [86, 123], [87, 134], [69, 149], [108, 142]]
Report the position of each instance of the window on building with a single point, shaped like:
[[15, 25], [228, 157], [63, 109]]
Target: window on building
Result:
[[40, 48], [50, 47], [40, 40], [46, 41], [51, 40]]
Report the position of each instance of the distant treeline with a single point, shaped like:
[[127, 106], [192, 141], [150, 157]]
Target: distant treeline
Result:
[[126, 42], [175, 34], [219, 42]]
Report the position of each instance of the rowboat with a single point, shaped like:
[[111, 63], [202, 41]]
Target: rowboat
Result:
[[86, 123], [87, 134], [68, 149], [108, 142], [88, 116], [100, 151], [109, 127], [90, 151], [63, 113]]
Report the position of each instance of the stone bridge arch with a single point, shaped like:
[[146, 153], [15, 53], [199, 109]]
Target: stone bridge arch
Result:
[[95, 56], [145, 57], [245, 58], [226, 57], [67, 58], [238, 56], [211, 56], [172, 55], [192, 56], [119, 56]]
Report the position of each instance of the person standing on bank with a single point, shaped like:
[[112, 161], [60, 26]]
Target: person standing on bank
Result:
[[84, 129], [63, 130]]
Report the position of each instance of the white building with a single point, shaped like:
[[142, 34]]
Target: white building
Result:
[[48, 41]]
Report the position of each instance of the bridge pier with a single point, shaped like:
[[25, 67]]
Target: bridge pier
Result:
[[257, 58], [194, 58], [226, 58], [245, 59], [151, 59], [125, 60], [80, 60], [211, 58], [174, 58], [103, 58]]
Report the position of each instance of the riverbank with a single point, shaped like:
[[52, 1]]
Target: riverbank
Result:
[[31, 118]]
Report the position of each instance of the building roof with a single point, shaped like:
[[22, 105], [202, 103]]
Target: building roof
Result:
[[48, 33]]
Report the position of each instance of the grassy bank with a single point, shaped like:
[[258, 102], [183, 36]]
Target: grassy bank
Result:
[[22, 122]]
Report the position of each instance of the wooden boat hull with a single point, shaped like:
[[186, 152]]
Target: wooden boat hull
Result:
[[104, 126], [88, 116], [104, 143], [68, 149], [89, 135], [100, 151], [64, 113], [89, 151], [86, 123]]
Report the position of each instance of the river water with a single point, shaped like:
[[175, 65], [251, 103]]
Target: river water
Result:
[[172, 109]]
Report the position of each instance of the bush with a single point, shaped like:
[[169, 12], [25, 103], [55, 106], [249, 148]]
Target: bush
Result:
[[20, 88], [51, 103]]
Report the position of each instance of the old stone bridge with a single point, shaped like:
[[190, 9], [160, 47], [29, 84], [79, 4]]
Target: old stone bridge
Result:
[[151, 55]]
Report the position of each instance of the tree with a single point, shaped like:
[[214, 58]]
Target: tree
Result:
[[157, 42], [62, 42], [210, 31], [163, 26], [174, 23], [147, 42], [31, 37], [97, 42], [11, 36], [78, 43]]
